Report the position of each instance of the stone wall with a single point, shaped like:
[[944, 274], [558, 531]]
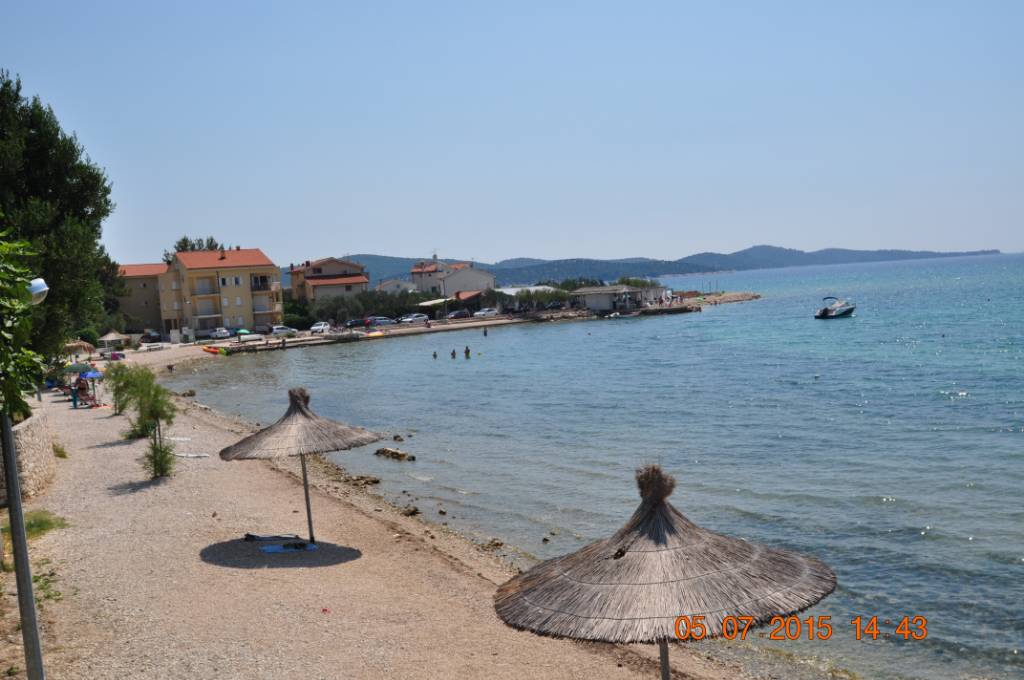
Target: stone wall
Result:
[[36, 462]]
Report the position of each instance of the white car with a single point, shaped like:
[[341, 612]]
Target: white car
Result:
[[220, 333], [320, 327], [414, 318], [282, 330], [485, 312]]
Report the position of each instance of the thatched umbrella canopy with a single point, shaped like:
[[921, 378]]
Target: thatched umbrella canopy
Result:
[[113, 338], [300, 432], [659, 566], [79, 347]]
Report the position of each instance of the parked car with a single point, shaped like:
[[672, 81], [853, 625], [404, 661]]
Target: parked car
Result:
[[459, 314], [380, 321], [263, 328], [555, 304], [355, 323], [486, 312], [320, 327], [282, 330], [414, 318], [150, 336], [220, 333]]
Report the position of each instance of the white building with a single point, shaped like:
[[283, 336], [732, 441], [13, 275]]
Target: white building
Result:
[[395, 286], [444, 278], [620, 298], [466, 279]]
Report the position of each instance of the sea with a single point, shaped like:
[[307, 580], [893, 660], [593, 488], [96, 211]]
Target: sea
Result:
[[890, 444]]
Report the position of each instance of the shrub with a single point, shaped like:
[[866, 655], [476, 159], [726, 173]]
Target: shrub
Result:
[[59, 451], [159, 459]]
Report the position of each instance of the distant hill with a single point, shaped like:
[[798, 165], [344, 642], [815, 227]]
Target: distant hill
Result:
[[529, 270], [771, 257]]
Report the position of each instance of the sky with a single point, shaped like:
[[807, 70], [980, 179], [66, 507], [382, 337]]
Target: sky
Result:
[[490, 130]]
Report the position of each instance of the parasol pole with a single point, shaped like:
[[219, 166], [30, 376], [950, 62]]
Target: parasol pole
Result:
[[305, 486], [666, 672]]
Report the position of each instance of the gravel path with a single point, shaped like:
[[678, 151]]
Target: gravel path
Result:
[[156, 584]]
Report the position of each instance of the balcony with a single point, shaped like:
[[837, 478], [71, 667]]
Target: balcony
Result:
[[267, 309], [205, 288]]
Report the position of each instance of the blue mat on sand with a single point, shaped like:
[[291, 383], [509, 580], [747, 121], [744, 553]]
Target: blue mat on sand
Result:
[[288, 547]]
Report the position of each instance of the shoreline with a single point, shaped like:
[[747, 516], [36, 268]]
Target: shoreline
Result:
[[155, 581]]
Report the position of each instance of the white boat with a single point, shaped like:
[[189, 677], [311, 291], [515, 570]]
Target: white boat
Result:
[[837, 309]]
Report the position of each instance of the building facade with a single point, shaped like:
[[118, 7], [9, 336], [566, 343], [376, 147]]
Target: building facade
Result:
[[204, 290], [448, 278], [395, 286], [141, 302], [327, 277]]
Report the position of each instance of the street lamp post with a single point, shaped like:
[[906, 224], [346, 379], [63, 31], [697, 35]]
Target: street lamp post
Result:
[[19, 541]]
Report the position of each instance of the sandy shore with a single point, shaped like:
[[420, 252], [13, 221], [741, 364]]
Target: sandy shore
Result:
[[156, 583]]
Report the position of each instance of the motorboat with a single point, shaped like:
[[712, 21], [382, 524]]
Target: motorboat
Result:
[[835, 308]]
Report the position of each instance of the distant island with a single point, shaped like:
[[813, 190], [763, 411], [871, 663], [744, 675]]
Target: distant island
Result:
[[527, 270]]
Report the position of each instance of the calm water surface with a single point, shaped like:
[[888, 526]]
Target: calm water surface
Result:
[[890, 445]]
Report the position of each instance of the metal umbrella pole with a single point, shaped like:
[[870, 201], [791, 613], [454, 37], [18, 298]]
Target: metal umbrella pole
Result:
[[19, 543]]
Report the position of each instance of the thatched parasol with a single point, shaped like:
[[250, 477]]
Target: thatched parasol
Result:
[[659, 566], [300, 432], [79, 347]]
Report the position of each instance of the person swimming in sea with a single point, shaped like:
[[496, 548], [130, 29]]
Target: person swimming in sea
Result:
[[468, 353], [435, 354], [453, 354]]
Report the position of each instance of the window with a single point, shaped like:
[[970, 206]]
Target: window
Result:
[[174, 285], [142, 285], [241, 321], [223, 281], [238, 301], [238, 282], [225, 300], [318, 270], [176, 304]]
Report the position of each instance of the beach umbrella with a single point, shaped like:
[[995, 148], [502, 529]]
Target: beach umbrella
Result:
[[633, 586], [79, 347], [242, 331], [300, 432], [77, 368], [91, 375]]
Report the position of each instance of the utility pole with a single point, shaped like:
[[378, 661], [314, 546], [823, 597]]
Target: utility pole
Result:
[[19, 544]]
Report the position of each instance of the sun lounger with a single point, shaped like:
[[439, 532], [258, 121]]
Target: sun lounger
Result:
[[298, 546], [271, 537]]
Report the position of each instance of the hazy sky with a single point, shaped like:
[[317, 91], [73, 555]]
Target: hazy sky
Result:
[[546, 129]]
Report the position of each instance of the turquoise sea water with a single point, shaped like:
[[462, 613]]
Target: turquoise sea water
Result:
[[890, 445]]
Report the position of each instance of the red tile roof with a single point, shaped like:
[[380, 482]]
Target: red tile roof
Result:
[[466, 294], [338, 280], [211, 259], [317, 263], [129, 270], [424, 268], [459, 265]]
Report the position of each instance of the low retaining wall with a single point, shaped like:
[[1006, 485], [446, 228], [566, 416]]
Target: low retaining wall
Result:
[[36, 463]]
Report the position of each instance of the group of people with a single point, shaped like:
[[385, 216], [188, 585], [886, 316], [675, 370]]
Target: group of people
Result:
[[466, 351]]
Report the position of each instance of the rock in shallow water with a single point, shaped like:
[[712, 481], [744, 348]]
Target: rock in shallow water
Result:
[[394, 454]]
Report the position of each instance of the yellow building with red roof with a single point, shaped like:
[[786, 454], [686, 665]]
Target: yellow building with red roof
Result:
[[207, 289]]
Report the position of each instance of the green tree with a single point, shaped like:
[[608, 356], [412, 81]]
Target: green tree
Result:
[[189, 245], [20, 367], [54, 197], [637, 283]]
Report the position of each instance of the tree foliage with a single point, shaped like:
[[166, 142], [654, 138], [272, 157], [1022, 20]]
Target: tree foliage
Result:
[[637, 283], [20, 367], [53, 196], [572, 284], [189, 245], [368, 303]]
